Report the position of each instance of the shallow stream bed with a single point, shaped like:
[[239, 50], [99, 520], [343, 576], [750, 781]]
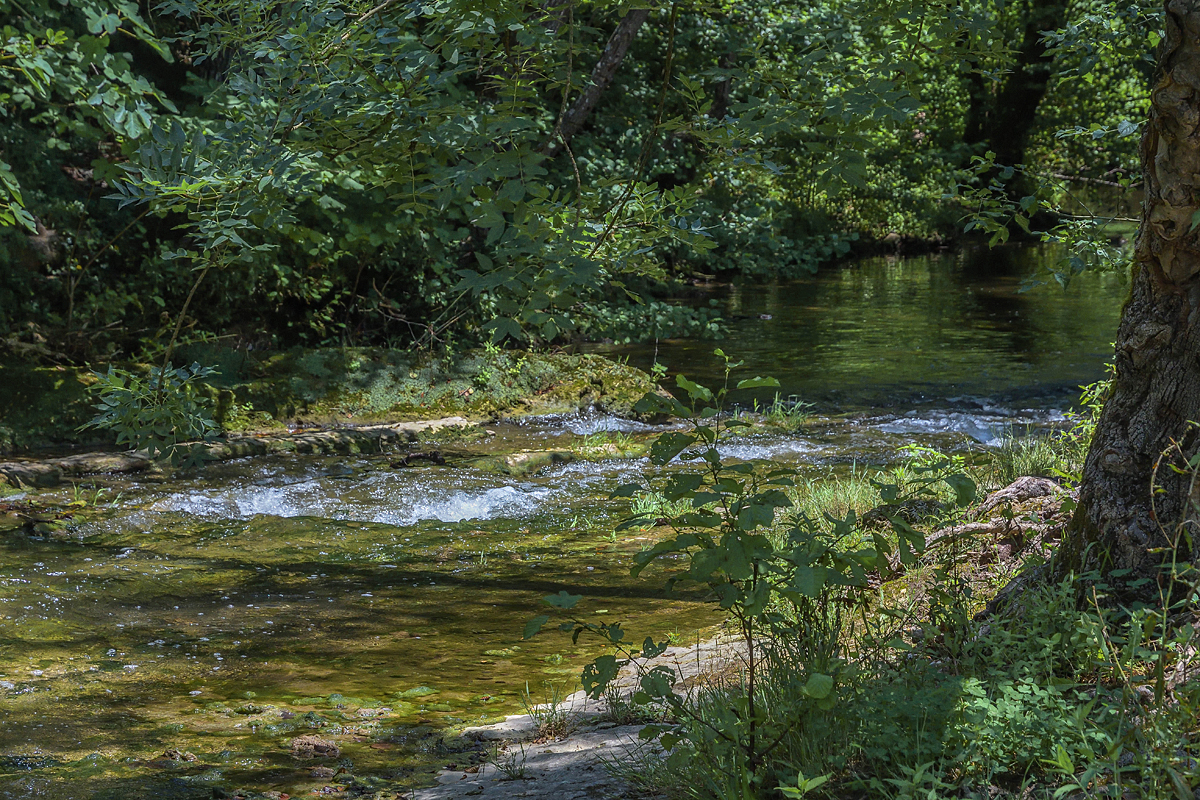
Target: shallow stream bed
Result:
[[225, 612]]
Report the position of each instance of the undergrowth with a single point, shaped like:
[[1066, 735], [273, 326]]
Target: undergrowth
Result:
[[856, 684]]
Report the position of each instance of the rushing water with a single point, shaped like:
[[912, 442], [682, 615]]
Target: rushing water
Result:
[[226, 612]]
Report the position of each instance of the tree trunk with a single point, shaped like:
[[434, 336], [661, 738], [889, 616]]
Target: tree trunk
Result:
[[1135, 501], [1002, 122], [602, 75]]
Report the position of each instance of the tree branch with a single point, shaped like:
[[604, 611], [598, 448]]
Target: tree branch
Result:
[[602, 74]]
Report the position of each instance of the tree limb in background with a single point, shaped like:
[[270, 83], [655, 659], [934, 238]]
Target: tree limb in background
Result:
[[602, 74]]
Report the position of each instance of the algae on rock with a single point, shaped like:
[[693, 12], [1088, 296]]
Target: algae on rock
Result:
[[42, 406]]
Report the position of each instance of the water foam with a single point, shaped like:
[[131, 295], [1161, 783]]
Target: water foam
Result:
[[391, 498], [500, 501], [989, 428]]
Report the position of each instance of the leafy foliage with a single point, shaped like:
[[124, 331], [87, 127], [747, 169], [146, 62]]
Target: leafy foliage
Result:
[[160, 413], [393, 174], [778, 579]]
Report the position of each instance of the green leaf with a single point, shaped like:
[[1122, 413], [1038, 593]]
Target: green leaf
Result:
[[563, 600], [758, 383], [888, 492], [809, 580], [964, 488], [669, 445], [676, 545], [502, 327], [653, 403], [818, 686], [694, 390], [534, 626], [681, 485], [597, 675]]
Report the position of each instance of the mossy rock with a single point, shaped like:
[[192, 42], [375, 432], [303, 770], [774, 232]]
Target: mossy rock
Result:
[[46, 405], [519, 465], [373, 385]]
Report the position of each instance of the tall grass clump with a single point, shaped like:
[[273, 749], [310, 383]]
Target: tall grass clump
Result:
[[837, 493], [1051, 455], [1058, 454]]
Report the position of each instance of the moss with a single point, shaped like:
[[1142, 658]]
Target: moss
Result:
[[46, 405], [41, 406], [359, 385]]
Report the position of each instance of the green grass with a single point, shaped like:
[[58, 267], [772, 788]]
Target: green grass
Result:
[[790, 414], [603, 444], [837, 494], [1058, 455]]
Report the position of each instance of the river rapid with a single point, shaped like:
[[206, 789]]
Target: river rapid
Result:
[[224, 612]]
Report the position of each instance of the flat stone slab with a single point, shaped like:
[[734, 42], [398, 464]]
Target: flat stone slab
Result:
[[40, 473], [572, 769]]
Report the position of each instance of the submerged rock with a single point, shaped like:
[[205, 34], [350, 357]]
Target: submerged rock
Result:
[[174, 754], [519, 465], [311, 746]]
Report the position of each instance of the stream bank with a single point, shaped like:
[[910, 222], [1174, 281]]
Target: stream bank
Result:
[[376, 601], [261, 393]]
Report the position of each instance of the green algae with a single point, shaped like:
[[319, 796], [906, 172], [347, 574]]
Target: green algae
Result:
[[228, 637], [43, 406]]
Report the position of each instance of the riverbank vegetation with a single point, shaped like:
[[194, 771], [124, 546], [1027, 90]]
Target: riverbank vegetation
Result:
[[315, 175], [873, 658], [311, 179]]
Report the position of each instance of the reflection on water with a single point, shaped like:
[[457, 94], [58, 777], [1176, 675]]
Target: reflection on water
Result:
[[225, 612], [888, 332]]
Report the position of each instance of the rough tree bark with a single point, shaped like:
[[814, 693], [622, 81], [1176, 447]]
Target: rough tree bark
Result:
[[602, 74], [1132, 501]]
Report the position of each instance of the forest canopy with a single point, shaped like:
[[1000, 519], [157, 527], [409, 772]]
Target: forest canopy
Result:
[[415, 173]]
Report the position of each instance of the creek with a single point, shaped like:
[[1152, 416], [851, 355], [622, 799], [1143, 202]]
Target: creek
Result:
[[223, 612]]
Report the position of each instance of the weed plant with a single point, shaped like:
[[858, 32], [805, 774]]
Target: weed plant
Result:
[[653, 506], [791, 414], [780, 576], [551, 718], [836, 493], [510, 762], [1058, 455], [603, 444], [1060, 703]]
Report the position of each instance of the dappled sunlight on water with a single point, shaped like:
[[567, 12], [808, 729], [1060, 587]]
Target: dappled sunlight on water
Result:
[[224, 612]]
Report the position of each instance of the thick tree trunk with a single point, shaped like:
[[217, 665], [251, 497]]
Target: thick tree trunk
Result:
[[1003, 121], [1135, 499]]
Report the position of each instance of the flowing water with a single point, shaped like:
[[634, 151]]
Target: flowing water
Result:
[[223, 613]]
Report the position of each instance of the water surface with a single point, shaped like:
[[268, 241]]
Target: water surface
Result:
[[223, 613], [953, 330]]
